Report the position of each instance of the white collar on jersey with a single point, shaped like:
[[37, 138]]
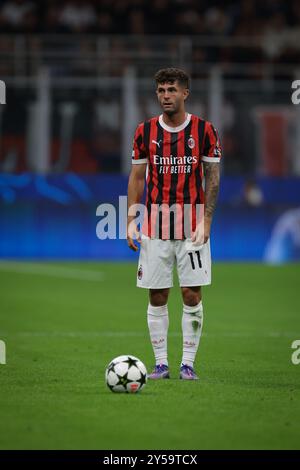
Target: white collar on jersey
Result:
[[174, 129]]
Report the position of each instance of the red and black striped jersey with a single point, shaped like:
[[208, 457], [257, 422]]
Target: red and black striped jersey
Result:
[[174, 157]]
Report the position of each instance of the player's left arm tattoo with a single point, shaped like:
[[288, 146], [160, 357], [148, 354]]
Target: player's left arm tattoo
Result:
[[212, 183]]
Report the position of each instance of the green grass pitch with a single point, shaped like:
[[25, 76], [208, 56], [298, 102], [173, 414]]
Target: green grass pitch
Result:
[[61, 331]]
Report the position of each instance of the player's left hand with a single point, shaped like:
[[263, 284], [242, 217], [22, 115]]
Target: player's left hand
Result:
[[202, 233], [132, 235]]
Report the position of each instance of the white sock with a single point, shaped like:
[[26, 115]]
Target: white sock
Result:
[[192, 321], [158, 323]]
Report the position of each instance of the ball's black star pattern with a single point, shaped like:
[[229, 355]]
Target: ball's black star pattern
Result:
[[131, 362], [142, 380], [111, 368], [123, 380]]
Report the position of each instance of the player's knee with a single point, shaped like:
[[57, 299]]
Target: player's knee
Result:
[[191, 297], [158, 298]]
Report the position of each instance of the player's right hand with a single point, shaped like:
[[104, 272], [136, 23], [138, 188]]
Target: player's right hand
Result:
[[133, 235]]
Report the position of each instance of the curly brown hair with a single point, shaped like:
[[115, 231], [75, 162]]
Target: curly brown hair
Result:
[[171, 75]]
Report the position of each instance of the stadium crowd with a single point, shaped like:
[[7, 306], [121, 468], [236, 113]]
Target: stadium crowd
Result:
[[221, 32], [200, 17], [274, 25]]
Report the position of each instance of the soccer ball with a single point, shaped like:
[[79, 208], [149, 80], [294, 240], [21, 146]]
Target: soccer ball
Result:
[[126, 374]]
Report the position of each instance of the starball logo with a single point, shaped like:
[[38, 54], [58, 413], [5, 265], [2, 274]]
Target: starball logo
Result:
[[2, 92]]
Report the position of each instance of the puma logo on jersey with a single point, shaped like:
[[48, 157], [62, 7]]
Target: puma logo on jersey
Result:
[[157, 143]]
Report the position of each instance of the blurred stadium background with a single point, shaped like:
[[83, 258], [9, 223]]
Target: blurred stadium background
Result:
[[78, 78]]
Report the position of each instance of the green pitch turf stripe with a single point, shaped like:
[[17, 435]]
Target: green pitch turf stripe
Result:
[[42, 269]]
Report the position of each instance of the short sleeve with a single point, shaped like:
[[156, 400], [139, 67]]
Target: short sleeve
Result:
[[212, 151], [139, 154]]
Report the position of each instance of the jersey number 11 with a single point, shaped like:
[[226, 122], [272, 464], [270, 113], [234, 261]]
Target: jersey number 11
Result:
[[191, 255]]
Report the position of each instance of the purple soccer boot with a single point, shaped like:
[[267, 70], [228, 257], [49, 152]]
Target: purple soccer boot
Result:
[[187, 373], [161, 371]]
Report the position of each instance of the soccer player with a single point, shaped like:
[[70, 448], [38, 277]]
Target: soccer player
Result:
[[178, 153]]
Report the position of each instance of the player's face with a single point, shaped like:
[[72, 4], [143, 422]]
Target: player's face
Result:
[[171, 97]]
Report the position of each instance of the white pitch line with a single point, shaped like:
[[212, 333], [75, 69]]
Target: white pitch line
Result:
[[126, 334], [51, 270], [82, 334]]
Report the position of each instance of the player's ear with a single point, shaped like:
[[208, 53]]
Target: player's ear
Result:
[[186, 93]]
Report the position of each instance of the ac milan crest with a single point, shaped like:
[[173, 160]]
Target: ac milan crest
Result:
[[140, 272], [191, 142]]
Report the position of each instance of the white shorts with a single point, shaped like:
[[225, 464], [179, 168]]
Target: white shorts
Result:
[[157, 259]]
